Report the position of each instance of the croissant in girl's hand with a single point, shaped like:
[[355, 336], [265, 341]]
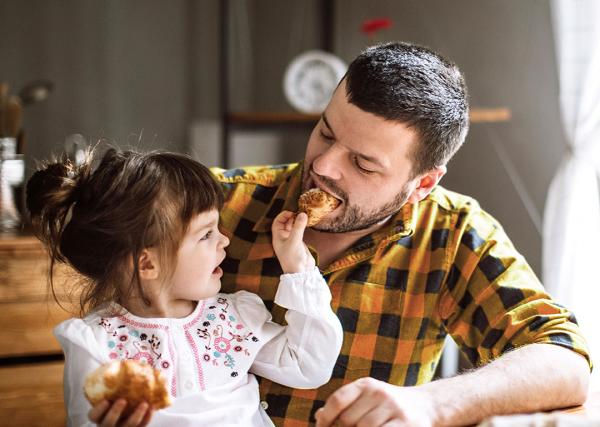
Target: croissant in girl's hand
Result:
[[130, 380]]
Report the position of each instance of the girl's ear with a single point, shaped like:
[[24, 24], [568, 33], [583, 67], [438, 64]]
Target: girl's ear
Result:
[[148, 264]]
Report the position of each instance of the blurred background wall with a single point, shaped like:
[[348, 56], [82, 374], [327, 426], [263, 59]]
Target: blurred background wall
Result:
[[147, 74]]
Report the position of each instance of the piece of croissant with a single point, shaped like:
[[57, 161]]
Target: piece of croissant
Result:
[[130, 380], [316, 204]]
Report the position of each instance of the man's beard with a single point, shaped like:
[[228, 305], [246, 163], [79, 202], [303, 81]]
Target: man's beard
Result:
[[354, 217]]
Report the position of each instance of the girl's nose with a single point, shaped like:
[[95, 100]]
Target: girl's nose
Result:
[[224, 240]]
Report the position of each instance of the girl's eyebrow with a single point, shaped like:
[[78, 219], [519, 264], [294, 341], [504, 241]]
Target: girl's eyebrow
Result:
[[204, 225]]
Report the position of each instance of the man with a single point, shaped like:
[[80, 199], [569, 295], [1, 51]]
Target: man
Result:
[[408, 262]]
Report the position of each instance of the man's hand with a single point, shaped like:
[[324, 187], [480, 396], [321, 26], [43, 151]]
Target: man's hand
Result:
[[523, 380], [288, 230], [373, 403], [106, 415]]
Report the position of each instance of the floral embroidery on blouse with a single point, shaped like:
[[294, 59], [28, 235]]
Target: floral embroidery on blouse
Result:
[[225, 338], [221, 339], [127, 343]]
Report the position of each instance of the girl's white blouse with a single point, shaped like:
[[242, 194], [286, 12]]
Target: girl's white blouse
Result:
[[210, 356]]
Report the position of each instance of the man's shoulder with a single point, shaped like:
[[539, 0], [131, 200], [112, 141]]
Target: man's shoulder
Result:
[[268, 175], [451, 201], [467, 210]]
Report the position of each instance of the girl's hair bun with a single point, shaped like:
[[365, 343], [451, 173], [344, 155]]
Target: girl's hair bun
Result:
[[51, 192]]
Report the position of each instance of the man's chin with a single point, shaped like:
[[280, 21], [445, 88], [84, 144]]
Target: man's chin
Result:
[[326, 225], [333, 226], [323, 229], [346, 225]]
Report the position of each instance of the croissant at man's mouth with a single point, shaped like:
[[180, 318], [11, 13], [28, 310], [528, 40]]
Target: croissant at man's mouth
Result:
[[315, 183]]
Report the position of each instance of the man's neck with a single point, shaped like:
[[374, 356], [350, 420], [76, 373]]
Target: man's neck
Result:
[[331, 246]]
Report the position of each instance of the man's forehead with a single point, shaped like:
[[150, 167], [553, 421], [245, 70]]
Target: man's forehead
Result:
[[377, 158], [380, 141]]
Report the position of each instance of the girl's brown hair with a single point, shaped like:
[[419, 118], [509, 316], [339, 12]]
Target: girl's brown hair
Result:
[[99, 219]]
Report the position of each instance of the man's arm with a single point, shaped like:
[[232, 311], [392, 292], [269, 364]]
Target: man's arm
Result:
[[528, 379]]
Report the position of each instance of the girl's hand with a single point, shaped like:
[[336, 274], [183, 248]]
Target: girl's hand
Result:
[[106, 415], [288, 230]]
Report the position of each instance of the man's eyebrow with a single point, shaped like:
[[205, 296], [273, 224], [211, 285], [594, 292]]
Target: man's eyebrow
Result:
[[368, 158], [324, 117]]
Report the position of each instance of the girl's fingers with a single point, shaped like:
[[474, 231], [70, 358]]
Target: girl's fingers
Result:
[[298, 227], [147, 417], [284, 216], [98, 411], [137, 416], [281, 220], [290, 224], [114, 413]]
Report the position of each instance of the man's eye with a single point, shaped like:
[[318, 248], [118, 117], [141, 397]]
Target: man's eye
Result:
[[360, 168], [206, 236], [326, 137]]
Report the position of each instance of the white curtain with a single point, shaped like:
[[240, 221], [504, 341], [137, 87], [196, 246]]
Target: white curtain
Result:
[[571, 240]]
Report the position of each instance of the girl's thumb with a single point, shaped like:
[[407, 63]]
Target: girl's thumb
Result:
[[299, 225]]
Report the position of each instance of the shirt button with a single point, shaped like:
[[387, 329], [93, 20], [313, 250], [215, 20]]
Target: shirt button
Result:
[[264, 405], [189, 385]]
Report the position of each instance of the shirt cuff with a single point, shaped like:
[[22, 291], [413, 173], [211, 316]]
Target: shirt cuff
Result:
[[306, 292]]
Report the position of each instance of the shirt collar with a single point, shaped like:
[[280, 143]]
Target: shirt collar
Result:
[[284, 199]]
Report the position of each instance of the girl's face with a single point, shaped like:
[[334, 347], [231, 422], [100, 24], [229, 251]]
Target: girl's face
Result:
[[197, 273]]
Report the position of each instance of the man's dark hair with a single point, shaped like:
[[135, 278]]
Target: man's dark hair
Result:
[[415, 86]]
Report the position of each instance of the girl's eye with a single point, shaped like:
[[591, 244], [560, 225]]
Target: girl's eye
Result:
[[207, 235], [360, 168]]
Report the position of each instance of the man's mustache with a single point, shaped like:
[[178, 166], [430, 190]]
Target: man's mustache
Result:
[[331, 185]]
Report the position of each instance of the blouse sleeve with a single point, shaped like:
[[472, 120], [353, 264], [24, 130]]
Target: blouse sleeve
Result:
[[81, 357], [303, 353]]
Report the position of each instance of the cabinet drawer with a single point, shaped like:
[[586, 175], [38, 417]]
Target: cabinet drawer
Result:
[[24, 272], [32, 395], [27, 328]]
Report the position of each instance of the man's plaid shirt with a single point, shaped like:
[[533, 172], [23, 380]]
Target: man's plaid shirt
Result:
[[442, 266]]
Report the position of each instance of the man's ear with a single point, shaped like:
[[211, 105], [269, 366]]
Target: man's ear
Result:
[[148, 267], [425, 183]]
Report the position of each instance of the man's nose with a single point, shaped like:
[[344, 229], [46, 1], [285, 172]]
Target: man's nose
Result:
[[328, 163]]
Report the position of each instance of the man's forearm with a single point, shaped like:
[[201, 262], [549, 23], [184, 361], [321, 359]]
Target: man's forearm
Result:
[[531, 378]]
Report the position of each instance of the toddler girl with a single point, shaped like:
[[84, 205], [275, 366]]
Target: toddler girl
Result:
[[142, 230]]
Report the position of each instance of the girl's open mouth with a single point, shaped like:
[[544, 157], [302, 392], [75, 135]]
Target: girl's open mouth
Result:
[[218, 271]]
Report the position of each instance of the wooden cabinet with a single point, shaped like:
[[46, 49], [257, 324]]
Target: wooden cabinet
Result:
[[31, 394], [30, 357]]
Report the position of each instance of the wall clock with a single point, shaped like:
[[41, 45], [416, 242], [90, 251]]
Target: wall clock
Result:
[[310, 80]]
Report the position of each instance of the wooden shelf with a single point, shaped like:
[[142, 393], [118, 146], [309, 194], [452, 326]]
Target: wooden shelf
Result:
[[271, 117], [20, 241], [478, 115], [490, 115]]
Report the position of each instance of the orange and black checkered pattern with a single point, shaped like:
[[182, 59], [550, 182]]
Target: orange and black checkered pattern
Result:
[[440, 267]]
